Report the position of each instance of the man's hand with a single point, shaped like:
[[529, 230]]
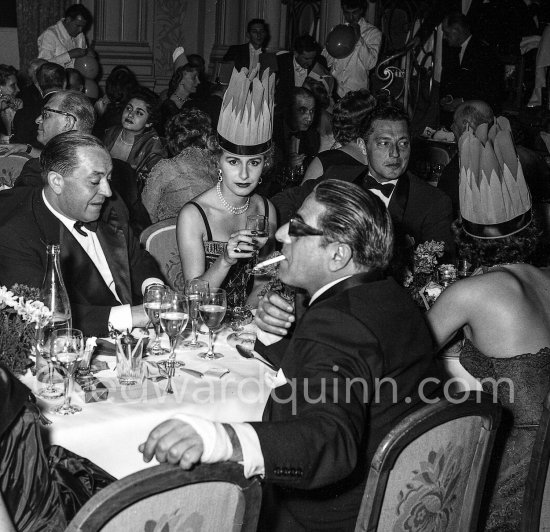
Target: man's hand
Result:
[[77, 52], [175, 442], [275, 314], [9, 149]]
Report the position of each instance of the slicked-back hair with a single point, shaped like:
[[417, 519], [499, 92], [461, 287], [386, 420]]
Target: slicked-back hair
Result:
[[350, 113], [78, 105], [392, 113], [61, 153], [50, 76], [78, 10], [177, 76], [256, 21], [358, 218]]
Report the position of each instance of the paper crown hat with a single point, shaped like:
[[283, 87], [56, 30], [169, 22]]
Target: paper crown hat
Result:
[[245, 126], [494, 199]]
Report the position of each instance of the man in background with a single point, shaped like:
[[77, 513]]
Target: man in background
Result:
[[247, 55]]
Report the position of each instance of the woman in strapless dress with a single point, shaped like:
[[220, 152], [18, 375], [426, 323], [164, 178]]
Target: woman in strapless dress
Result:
[[505, 317]]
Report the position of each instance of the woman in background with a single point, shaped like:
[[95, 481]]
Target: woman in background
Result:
[[191, 170], [9, 103]]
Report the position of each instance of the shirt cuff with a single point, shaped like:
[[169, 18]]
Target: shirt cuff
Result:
[[149, 281], [253, 459], [121, 317], [267, 338]]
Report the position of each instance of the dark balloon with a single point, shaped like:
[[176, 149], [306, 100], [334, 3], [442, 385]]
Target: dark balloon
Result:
[[341, 41], [91, 89], [87, 66]]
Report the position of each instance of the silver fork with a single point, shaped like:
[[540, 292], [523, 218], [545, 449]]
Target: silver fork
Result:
[[171, 370]]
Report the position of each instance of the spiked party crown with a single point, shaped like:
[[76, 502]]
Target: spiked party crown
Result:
[[494, 199], [246, 117]]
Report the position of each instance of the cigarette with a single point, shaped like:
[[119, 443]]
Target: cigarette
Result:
[[268, 262]]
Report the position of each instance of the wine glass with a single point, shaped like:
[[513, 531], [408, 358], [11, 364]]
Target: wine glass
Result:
[[47, 388], [174, 316], [152, 302], [195, 290], [212, 311], [67, 349]]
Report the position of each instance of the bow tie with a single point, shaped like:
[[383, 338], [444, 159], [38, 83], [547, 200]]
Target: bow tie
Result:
[[371, 183], [91, 226]]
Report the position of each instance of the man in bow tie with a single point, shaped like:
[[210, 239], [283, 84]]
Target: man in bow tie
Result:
[[419, 211], [104, 269], [325, 418]]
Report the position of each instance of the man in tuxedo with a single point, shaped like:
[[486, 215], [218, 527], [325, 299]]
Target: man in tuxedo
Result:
[[323, 423], [103, 266], [247, 55], [419, 211]]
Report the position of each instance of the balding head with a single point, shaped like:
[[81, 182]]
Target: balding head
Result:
[[471, 114]]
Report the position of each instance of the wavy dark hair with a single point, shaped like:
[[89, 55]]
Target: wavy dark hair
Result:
[[151, 101], [350, 113], [189, 127], [119, 84], [5, 72], [177, 76]]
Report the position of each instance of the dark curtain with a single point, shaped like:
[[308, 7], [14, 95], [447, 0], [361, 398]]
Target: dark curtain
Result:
[[33, 17]]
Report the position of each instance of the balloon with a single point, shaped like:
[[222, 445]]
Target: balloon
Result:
[[87, 66], [91, 89], [341, 41]]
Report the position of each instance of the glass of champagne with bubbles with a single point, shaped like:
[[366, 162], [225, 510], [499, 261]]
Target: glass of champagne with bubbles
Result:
[[195, 290], [174, 316], [67, 349], [212, 311], [152, 302]]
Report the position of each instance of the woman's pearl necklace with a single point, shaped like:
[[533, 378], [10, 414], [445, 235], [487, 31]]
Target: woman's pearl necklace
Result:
[[232, 209], [182, 100]]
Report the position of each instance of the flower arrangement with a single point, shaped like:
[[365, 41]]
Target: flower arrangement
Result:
[[427, 280], [22, 317]]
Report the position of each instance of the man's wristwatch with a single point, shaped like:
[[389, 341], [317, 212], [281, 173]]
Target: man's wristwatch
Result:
[[29, 149]]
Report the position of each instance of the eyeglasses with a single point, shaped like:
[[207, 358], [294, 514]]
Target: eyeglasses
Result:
[[298, 228], [46, 110]]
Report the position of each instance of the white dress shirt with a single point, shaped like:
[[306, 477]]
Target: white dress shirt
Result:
[[352, 72], [300, 73], [463, 49], [54, 45], [254, 56], [378, 193]]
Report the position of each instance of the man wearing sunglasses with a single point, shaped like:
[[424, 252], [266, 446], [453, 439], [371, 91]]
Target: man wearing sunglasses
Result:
[[324, 421]]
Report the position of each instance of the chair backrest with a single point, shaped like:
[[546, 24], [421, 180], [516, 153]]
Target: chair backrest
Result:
[[160, 240], [432, 466], [536, 498], [10, 168], [209, 497]]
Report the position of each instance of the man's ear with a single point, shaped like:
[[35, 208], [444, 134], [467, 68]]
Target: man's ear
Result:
[[363, 147], [70, 123], [340, 256], [55, 181]]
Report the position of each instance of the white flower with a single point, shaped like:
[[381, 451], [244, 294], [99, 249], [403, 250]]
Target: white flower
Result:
[[433, 290], [6, 298]]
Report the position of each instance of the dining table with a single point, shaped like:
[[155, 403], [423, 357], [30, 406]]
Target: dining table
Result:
[[109, 431]]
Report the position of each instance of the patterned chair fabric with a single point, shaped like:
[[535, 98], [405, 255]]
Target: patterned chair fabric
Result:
[[167, 499], [536, 498], [10, 168], [429, 471], [160, 240]]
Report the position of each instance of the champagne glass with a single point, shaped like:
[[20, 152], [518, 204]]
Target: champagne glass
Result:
[[152, 302], [212, 311], [195, 290], [258, 224], [174, 316], [67, 349]]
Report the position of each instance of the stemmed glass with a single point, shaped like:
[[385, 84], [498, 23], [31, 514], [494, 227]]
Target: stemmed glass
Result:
[[212, 311], [195, 290], [258, 225], [174, 316], [44, 363], [67, 349], [152, 302]]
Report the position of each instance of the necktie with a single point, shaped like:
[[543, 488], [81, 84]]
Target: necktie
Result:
[[371, 183], [91, 226]]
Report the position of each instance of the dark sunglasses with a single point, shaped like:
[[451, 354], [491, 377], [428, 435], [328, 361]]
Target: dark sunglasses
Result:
[[298, 228], [46, 110]]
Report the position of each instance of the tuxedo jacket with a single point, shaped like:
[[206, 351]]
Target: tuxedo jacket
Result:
[[27, 226], [480, 75], [239, 54], [418, 210], [321, 429]]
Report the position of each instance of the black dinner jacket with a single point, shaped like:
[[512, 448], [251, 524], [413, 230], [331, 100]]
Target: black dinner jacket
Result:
[[239, 54], [317, 453], [27, 225], [417, 209]]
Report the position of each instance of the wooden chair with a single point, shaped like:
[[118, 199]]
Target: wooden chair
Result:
[[160, 240], [536, 498], [10, 168], [210, 497], [428, 473]]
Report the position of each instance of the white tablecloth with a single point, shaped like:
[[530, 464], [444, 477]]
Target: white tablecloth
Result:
[[109, 432]]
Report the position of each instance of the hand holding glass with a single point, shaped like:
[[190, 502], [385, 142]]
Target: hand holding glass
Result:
[[67, 349], [152, 302], [195, 290], [174, 316], [212, 311]]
